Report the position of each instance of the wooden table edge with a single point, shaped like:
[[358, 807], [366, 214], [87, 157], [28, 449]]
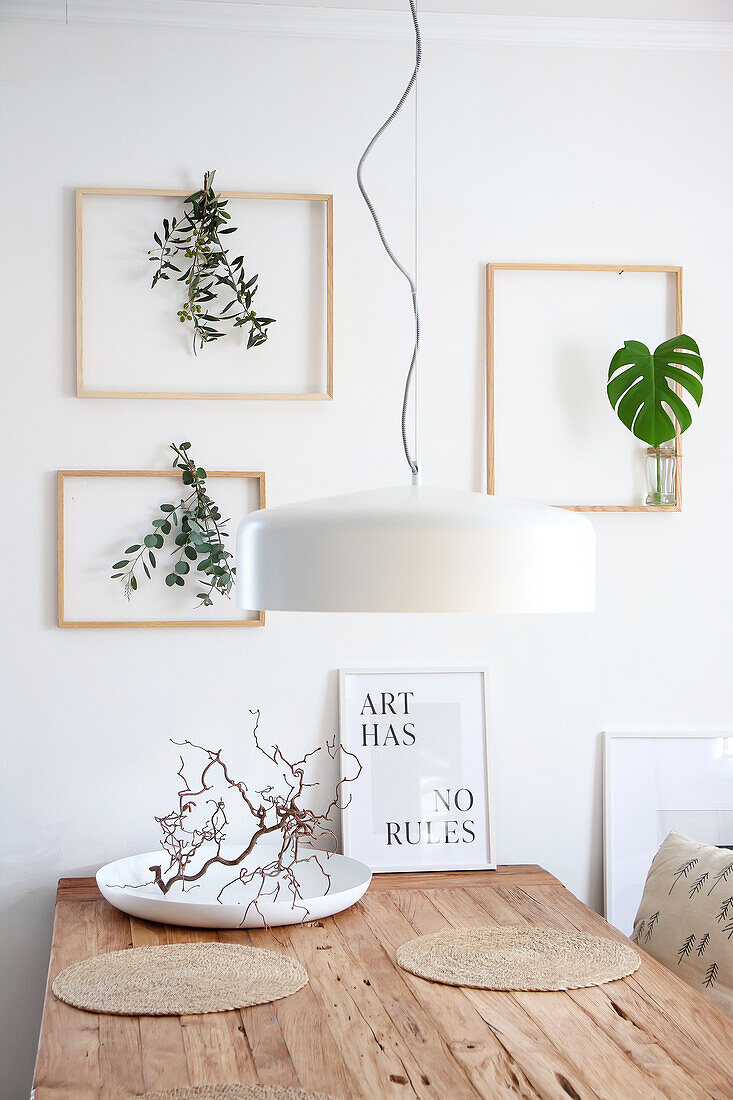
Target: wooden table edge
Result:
[[86, 889]]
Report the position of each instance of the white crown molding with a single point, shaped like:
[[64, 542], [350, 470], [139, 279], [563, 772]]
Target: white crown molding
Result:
[[328, 22]]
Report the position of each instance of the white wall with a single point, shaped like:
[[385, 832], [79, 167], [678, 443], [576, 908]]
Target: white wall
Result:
[[527, 153]]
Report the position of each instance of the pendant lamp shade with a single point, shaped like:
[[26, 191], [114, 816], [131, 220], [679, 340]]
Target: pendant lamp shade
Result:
[[415, 548]]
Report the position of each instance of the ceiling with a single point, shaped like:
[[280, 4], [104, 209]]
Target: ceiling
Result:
[[706, 10]]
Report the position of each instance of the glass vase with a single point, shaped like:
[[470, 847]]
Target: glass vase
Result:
[[661, 469]]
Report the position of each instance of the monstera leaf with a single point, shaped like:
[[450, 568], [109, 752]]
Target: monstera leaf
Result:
[[640, 387]]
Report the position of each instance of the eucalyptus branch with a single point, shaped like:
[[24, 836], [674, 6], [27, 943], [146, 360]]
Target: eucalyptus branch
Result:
[[199, 539], [197, 238]]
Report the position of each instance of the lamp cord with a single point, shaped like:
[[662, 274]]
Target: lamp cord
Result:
[[412, 281]]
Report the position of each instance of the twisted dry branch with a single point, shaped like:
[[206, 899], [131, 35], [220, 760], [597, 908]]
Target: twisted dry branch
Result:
[[275, 813]]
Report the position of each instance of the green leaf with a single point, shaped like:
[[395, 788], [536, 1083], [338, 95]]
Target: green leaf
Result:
[[171, 579], [151, 540], [147, 571], [190, 553], [132, 549], [133, 584], [151, 555], [200, 472], [121, 564], [179, 580], [167, 507], [182, 567], [158, 541], [640, 387]]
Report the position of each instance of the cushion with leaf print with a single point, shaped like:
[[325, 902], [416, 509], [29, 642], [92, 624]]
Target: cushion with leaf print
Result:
[[685, 918]]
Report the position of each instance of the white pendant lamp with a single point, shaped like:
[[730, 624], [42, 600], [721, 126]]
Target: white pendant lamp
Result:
[[414, 548]]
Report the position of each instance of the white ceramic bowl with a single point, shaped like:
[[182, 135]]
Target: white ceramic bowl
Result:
[[126, 885]]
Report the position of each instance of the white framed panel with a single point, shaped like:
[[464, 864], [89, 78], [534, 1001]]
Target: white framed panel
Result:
[[130, 342], [655, 782], [423, 799], [101, 512]]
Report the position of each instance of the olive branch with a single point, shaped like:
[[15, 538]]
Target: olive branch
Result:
[[196, 238]]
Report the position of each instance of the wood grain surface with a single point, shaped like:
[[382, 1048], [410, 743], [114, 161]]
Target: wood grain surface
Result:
[[363, 1028]]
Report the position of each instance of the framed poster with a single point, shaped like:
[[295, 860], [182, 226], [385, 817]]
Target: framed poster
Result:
[[100, 512], [653, 783], [551, 332], [422, 801], [287, 240]]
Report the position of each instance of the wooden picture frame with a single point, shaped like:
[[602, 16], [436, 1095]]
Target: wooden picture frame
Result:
[[429, 793], [491, 269], [84, 390], [64, 621]]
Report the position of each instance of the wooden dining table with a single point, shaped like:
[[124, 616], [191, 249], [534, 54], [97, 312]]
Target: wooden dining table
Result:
[[363, 1028]]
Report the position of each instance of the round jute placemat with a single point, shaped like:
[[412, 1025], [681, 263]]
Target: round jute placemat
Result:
[[179, 979], [235, 1092], [517, 958]]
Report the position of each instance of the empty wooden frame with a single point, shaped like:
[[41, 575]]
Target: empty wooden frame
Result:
[[130, 343], [538, 364], [95, 526]]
